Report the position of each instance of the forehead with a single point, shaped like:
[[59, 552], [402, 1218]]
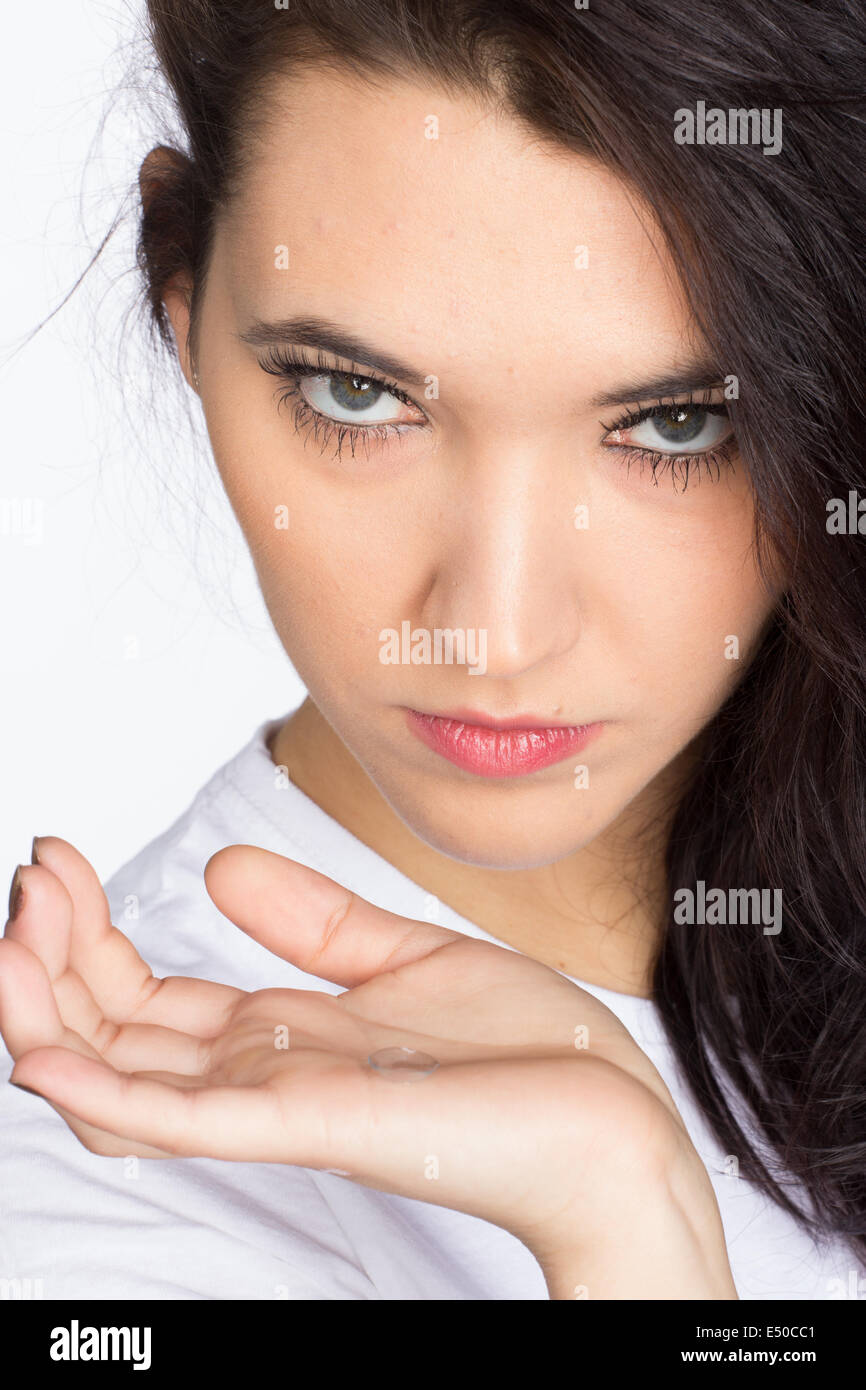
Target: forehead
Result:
[[438, 223]]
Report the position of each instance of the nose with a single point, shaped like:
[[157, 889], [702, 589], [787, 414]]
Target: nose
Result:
[[509, 558]]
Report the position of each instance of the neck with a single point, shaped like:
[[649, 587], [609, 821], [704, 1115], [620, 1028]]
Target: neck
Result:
[[594, 915]]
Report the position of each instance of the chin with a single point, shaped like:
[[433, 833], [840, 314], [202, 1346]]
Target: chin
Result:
[[496, 837]]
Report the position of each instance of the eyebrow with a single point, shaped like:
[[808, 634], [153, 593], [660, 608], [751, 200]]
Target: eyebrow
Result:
[[333, 337], [700, 375], [323, 333]]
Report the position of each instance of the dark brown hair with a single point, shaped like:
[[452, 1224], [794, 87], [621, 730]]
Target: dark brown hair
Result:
[[770, 252]]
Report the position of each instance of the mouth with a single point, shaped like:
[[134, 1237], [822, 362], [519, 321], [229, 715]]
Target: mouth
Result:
[[492, 747]]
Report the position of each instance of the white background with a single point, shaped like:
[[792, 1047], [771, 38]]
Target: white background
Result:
[[136, 654]]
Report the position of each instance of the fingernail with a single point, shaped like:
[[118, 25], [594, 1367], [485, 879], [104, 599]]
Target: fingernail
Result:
[[16, 894], [34, 852]]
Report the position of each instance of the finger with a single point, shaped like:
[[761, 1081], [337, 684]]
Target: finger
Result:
[[120, 982], [44, 919], [308, 919], [91, 917], [29, 1020], [29, 1015], [100, 1141], [180, 1080], [138, 1046], [43, 925], [182, 1118], [43, 997]]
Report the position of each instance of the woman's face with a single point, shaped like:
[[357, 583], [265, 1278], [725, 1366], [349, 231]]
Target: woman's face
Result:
[[532, 307]]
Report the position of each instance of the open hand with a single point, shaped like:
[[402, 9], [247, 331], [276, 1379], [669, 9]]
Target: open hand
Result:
[[542, 1116]]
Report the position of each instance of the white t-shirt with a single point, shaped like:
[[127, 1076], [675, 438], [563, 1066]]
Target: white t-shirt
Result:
[[77, 1225]]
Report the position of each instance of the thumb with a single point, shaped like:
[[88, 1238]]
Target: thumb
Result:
[[310, 920]]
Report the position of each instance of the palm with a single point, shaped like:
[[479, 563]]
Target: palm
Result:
[[530, 1066]]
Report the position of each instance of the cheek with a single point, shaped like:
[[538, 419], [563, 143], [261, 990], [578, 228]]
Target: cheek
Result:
[[329, 556], [331, 573], [690, 603]]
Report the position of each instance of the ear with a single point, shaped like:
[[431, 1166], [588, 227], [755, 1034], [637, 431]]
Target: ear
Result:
[[160, 168], [177, 297]]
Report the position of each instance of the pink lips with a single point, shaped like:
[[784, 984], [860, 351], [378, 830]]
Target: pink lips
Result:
[[510, 749]]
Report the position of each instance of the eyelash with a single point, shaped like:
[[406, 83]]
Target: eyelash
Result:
[[291, 370], [711, 460]]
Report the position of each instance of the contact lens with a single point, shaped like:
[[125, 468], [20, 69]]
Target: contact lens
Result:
[[402, 1063]]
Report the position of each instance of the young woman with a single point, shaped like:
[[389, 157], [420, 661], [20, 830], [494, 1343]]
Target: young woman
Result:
[[525, 958]]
